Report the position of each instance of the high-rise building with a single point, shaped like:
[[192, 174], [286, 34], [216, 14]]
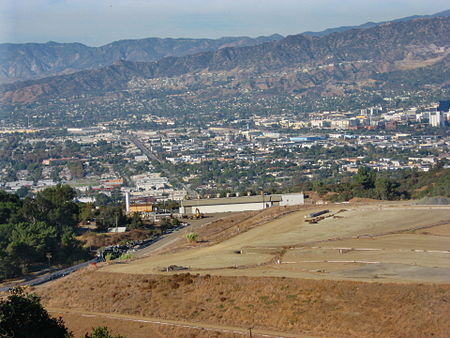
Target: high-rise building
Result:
[[438, 119]]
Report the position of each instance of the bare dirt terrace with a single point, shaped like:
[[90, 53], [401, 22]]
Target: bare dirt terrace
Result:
[[377, 241], [373, 270]]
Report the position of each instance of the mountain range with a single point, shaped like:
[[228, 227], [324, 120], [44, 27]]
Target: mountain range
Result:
[[36, 60], [372, 24], [293, 63], [393, 64]]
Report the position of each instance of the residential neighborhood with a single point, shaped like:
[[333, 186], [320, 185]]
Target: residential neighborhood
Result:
[[268, 154]]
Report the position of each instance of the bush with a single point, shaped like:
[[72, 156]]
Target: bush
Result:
[[125, 256], [192, 237], [101, 332]]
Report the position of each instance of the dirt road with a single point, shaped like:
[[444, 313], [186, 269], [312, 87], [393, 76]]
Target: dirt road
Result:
[[119, 322]]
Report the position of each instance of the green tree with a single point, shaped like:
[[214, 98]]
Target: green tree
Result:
[[22, 316], [29, 242], [87, 212], [102, 199], [110, 217], [135, 222], [69, 249], [23, 192], [54, 206], [365, 178], [101, 332], [8, 268], [385, 189], [10, 206]]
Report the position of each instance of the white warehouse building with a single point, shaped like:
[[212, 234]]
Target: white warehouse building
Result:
[[244, 203]]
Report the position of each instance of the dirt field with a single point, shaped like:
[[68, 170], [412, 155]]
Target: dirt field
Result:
[[296, 306], [364, 242]]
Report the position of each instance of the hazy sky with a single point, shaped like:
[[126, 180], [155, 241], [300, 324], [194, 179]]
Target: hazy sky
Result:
[[97, 22]]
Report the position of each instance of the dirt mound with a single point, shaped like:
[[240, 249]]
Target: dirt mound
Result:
[[321, 307], [363, 200]]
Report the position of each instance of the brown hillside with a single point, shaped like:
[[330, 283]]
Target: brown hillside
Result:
[[319, 307]]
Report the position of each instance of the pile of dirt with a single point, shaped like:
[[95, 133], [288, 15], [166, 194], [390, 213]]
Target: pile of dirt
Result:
[[436, 200], [363, 200], [319, 307], [98, 240]]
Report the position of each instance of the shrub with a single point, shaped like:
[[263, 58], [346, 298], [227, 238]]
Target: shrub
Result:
[[192, 237], [125, 256], [101, 332]]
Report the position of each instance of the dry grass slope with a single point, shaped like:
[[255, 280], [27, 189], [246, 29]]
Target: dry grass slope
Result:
[[320, 307], [82, 324]]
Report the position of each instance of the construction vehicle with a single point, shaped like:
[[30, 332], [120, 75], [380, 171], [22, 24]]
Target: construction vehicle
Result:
[[197, 214]]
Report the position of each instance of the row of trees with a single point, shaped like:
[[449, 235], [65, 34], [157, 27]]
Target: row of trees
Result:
[[404, 184]]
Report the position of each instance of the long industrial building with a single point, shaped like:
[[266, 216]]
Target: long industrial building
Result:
[[244, 203]]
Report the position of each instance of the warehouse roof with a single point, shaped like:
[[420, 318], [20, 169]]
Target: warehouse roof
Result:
[[231, 200]]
